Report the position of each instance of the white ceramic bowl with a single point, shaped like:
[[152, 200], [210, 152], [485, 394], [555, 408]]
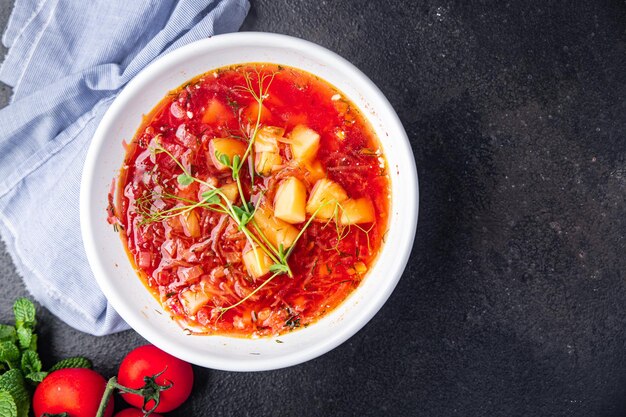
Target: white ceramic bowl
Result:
[[107, 255]]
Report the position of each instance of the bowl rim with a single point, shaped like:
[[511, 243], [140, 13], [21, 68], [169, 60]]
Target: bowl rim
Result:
[[260, 363]]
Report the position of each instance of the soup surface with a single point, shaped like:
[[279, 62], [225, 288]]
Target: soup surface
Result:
[[253, 200]]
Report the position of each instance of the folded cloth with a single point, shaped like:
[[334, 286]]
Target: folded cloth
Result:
[[67, 61]]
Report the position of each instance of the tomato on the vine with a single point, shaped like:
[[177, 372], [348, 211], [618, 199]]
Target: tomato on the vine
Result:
[[75, 391], [148, 361], [134, 412]]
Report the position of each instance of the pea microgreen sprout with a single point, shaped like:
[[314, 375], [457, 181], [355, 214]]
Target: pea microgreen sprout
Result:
[[259, 97], [344, 230], [223, 310]]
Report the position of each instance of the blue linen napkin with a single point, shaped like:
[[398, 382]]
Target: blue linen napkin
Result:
[[67, 61]]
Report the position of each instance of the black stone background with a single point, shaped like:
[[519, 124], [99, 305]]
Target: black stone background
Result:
[[514, 300]]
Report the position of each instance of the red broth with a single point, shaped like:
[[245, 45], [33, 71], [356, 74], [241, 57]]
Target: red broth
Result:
[[197, 261]]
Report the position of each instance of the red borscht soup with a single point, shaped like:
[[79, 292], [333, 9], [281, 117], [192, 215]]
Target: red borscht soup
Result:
[[253, 200]]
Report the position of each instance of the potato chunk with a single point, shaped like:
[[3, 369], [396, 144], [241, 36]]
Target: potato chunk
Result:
[[267, 162], [227, 146], [354, 211], [231, 192], [216, 111], [257, 262], [190, 223], [267, 139], [290, 201], [325, 196], [314, 171], [275, 230], [304, 143], [193, 301], [251, 113]]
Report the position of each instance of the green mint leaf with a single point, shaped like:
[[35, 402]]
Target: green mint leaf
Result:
[[33, 343], [7, 405], [10, 354], [30, 362], [13, 383], [24, 337], [36, 377], [24, 311], [75, 362], [184, 179], [7, 333], [280, 268]]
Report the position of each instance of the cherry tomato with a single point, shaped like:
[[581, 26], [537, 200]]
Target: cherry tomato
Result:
[[134, 412], [76, 391], [147, 361]]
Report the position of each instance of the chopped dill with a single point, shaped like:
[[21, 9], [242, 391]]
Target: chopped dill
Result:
[[234, 105], [293, 322]]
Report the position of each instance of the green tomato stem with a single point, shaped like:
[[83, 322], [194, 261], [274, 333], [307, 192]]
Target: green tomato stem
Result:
[[106, 396]]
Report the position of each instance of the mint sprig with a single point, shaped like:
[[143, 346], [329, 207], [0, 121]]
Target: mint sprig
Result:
[[12, 383], [20, 364], [7, 333], [9, 355], [24, 311], [8, 408], [76, 362], [27, 340]]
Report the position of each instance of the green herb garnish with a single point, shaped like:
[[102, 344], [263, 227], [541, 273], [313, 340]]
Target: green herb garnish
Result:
[[20, 365]]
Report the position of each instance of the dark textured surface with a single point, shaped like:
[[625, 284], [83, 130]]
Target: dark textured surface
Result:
[[514, 301]]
